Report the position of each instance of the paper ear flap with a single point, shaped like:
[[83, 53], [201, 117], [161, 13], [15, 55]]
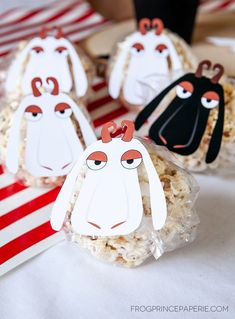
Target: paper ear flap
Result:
[[157, 196], [151, 107], [79, 75], [217, 134], [12, 154], [15, 69], [116, 75], [87, 131], [176, 64], [60, 207]]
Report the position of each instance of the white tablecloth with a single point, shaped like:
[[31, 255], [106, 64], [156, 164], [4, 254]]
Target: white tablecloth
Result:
[[65, 282]]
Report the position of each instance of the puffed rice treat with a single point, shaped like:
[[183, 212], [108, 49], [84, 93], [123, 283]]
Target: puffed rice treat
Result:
[[145, 62], [181, 225], [225, 161], [49, 54], [7, 115]]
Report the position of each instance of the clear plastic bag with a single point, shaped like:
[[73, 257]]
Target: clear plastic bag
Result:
[[40, 152], [9, 104], [224, 164], [154, 64], [56, 57], [131, 250]]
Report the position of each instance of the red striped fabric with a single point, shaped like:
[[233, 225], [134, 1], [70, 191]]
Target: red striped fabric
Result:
[[66, 34], [97, 103], [11, 189], [28, 208], [25, 241], [86, 15], [1, 170], [217, 5]]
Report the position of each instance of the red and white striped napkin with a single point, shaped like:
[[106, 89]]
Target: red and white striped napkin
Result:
[[217, 5], [77, 19]]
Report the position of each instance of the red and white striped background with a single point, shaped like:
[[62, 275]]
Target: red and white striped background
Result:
[[217, 5], [25, 211]]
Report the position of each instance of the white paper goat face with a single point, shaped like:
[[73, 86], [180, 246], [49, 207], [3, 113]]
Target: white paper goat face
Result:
[[148, 57], [45, 57], [109, 202], [52, 145]]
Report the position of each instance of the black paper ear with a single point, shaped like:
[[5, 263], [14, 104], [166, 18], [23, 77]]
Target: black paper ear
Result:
[[150, 108], [217, 134]]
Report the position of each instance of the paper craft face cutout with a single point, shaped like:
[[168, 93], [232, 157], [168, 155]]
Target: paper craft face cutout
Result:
[[47, 56], [109, 202], [52, 145], [151, 56], [182, 125]]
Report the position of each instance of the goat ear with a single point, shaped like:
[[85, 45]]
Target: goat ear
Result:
[[151, 107], [157, 196], [116, 75], [12, 155], [15, 69], [87, 131], [60, 207], [79, 75], [217, 134], [176, 64]]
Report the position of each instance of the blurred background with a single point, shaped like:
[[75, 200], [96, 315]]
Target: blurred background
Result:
[[213, 18]]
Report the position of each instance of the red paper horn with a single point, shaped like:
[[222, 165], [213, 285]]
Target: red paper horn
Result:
[[55, 90], [59, 33], [205, 64], [144, 25], [217, 77], [43, 32], [158, 24], [35, 90], [130, 128], [105, 133]]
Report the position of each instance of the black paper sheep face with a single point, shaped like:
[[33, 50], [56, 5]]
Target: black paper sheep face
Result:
[[181, 126]]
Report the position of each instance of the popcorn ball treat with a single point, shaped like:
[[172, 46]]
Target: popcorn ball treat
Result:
[[196, 120], [146, 62], [46, 56], [124, 210], [225, 160], [45, 135]]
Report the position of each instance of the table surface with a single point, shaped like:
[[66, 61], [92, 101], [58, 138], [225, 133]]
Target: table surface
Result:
[[66, 282]]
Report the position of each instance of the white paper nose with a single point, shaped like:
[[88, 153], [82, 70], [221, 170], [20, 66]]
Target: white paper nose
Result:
[[54, 151]]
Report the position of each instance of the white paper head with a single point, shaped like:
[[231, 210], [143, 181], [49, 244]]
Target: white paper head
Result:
[[110, 202], [52, 145], [48, 56], [147, 55]]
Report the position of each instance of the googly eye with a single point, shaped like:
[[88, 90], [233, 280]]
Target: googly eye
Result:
[[61, 50], [210, 100], [131, 159], [63, 110], [184, 90], [137, 48], [37, 50], [162, 50], [96, 160], [33, 113]]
